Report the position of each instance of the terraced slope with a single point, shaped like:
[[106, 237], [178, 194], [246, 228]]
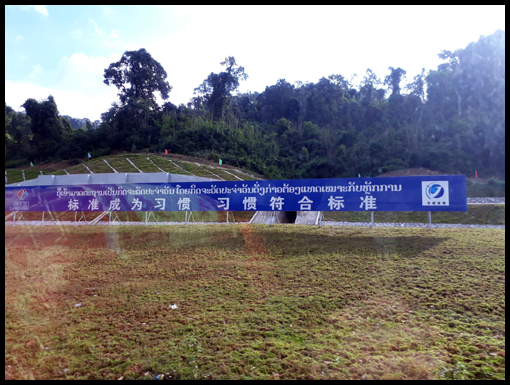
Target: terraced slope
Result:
[[135, 163]]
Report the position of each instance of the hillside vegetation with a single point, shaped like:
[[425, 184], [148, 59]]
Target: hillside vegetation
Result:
[[450, 119]]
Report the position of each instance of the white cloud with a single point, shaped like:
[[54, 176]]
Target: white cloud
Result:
[[76, 83], [114, 35], [308, 42], [83, 73], [75, 104], [41, 9], [38, 8], [98, 30]]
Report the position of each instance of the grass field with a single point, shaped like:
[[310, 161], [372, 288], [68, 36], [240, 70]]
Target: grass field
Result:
[[254, 302], [475, 215]]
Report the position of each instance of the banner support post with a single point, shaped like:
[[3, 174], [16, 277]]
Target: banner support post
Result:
[[430, 219], [371, 219], [51, 215]]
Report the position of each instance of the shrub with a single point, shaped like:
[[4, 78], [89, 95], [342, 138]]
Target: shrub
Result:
[[17, 163], [497, 186], [100, 152]]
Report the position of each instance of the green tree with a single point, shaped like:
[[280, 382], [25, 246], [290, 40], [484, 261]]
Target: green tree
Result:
[[216, 90], [368, 89], [417, 87], [48, 127], [394, 78], [138, 76], [17, 134]]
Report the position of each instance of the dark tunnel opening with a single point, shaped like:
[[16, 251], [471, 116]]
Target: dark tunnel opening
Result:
[[290, 216]]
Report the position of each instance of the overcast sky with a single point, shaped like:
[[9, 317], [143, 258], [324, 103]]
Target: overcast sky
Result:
[[63, 50]]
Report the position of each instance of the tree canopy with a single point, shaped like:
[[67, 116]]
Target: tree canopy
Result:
[[217, 89], [138, 76]]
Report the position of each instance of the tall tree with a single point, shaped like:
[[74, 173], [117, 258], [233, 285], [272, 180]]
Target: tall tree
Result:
[[138, 76], [368, 87], [217, 88], [394, 78], [48, 127], [417, 87], [17, 134]]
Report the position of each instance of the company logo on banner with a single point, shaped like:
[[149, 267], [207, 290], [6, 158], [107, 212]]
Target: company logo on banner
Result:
[[22, 194], [435, 193]]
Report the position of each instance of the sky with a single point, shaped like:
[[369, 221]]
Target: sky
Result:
[[63, 50]]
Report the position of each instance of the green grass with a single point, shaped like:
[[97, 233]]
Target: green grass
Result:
[[242, 176], [120, 163], [254, 302], [97, 166], [193, 169], [475, 214], [229, 176], [168, 166], [143, 164]]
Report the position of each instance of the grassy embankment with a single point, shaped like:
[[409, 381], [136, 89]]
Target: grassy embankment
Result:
[[121, 164], [254, 302]]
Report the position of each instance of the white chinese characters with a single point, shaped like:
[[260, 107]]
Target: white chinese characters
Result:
[[305, 204], [184, 203], [369, 202], [137, 204], [224, 203], [161, 203], [114, 205], [250, 203], [276, 202], [336, 203], [73, 204], [93, 204]]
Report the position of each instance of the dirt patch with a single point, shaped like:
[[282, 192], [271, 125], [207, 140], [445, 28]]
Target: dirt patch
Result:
[[50, 166], [254, 242]]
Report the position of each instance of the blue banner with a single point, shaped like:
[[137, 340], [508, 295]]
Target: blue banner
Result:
[[410, 193]]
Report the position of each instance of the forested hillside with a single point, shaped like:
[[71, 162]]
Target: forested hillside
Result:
[[451, 119]]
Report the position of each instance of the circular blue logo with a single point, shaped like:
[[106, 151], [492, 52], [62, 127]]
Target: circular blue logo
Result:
[[435, 191]]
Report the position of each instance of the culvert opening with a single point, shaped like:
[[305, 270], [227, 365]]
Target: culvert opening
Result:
[[290, 216]]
